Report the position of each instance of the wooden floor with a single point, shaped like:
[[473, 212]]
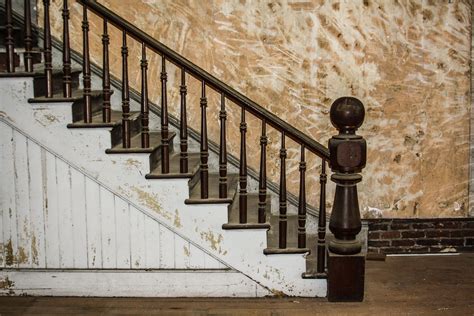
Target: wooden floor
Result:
[[441, 285]]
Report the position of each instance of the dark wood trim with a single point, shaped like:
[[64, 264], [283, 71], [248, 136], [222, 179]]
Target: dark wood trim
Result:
[[165, 154], [183, 126], [125, 94], [47, 53], [262, 179], [28, 56], [67, 82], [223, 150], [204, 145], [302, 202], [283, 219], [321, 247], [144, 109], [106, 106], [243, 170], [86, 68], [9, 41]]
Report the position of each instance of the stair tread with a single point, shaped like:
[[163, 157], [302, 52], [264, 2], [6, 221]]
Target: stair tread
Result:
[[37, 72], [77, 94], [135, 144], [115, 120], [174, 171], [195, 194]]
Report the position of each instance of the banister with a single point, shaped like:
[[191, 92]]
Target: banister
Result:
[[210, 80]]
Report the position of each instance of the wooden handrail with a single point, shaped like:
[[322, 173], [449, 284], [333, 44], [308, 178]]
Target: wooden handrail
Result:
[[211, 81]]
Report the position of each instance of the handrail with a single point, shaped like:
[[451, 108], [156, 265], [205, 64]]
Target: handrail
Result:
[[210, 80]]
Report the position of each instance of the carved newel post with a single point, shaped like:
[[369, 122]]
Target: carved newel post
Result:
[[348, 152]]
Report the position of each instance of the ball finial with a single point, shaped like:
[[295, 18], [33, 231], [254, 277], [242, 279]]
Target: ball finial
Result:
[[347, 114]]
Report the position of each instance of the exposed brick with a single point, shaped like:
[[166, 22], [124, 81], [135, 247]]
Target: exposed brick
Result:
[[469, 241], [448, 224], [374, 235], [469, 224], [438, 233], [427, 242], [373, 249], [390, 235], [462, 233], [392, 250], [418, 249], [441, 248], [425, 225], [378, 243], [400, 226], [378, 226], [403, 243], [465, 248], [413, 234], [452, 241]]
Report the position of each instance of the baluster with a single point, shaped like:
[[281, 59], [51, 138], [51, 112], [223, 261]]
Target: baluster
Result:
[[105, 76], [48, 65], [9, 43], [144, 101], [165, 149], [125, 95], [262, 184], [86, 68], [204, 146], [321, 259], [28, 57], [223, 151], [302, 202], [283, 216], [66, 53], [183, 131], [243, 171]]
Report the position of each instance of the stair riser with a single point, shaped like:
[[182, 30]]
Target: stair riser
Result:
[[78, 108], [155, 156], [40, 83], [116, 132]]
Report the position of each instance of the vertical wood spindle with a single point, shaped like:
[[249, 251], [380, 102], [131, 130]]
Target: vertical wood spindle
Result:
[[125, 94], [282, 199], [145, 134], [262, 183], [67, 83], [243, 170], [28, 56], [183, 131], [48, 65], [321, 254], [86, 68], [204, 146], [302, 202], [106, 111], [9, 42], [223, 151], [165, 149]]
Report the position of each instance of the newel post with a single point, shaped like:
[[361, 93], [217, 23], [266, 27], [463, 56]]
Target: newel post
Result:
[[348, 155]]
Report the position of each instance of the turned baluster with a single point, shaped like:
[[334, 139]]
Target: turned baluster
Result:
[[145, 135], [28, 57], [125, 95], [48, 65], [183, 131], [262, 183], [243, 170], [106, 91], [67, 83], [86, 68], [302, 202], [165, 149], [321, 254], [223, 151], [204, 145], [282, 198], [9, 42]]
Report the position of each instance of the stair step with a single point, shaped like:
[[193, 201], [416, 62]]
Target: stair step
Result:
[[292, 237], [174, 173], [135, 144], [252, 214], [97, 121], [77, 95], [195, 190]]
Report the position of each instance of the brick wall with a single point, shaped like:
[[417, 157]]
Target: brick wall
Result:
[[420, 235]]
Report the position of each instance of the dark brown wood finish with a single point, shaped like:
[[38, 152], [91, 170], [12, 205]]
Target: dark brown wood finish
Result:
[[9, 42], [321, 251], [67, 80], [302, 202], [165, 152], [144, 110], [28, 56], [243, 170], [125, 94], [262, 183], [283, 220], [183, 126], [223, 151], [106, 110], [204, 145], [47, 53], [86, 68]]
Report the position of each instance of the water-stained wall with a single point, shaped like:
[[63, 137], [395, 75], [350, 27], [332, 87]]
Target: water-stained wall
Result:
[[408, 61]]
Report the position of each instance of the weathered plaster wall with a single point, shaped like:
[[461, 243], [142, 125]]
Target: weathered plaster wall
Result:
[[408, 61]]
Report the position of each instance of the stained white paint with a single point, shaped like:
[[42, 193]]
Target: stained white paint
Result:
[[159, 200]]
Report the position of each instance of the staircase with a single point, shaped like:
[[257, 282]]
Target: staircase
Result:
[[155, 176]]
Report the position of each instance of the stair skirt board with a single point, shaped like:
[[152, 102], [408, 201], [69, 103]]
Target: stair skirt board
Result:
[[129, 283], [161, 201]]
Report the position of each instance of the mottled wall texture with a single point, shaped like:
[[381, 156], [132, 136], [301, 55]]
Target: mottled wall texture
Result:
[[408, 61]]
